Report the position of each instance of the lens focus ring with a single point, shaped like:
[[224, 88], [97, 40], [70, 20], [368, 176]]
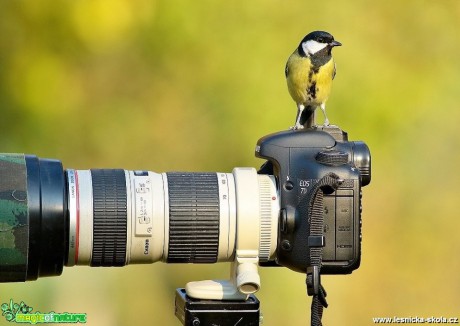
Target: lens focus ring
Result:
[[110, 218], [193, 217]]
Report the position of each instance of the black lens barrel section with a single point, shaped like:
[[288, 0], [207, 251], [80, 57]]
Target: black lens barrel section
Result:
[[110, 218], [47, 206], [193, 217]]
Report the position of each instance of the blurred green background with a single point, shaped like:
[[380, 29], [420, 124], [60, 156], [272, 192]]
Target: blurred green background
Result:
[[182, 85]]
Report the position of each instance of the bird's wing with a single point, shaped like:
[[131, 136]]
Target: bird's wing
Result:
[[286, 70], [334, 72]]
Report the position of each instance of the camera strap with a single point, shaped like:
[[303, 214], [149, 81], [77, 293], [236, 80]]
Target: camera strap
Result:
[[316, 241]]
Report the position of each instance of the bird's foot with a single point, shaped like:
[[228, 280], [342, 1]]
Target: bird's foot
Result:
[[326, 123], [297, 127]]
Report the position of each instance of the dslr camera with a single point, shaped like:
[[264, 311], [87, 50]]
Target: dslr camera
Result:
[[300, 210]]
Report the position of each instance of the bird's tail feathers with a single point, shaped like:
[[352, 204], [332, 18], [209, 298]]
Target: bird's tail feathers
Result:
[[307, 118]]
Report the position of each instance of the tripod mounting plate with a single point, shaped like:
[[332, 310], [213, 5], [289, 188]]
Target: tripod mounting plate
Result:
[[197, 312]]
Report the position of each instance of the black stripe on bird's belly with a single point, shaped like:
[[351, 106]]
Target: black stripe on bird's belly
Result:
[[310, 74], [312, 91]]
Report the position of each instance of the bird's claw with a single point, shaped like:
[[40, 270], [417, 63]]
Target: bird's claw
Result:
[[296, 127]]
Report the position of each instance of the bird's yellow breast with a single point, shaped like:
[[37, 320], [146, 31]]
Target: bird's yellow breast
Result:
[[307, 86]]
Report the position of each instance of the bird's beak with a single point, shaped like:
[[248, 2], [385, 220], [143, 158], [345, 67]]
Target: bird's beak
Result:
[[335, 43]]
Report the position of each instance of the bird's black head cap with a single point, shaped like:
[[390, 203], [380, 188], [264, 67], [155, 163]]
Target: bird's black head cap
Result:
[[320, 37]]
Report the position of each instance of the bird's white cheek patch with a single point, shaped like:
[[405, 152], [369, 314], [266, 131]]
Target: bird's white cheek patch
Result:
[[311, 46]]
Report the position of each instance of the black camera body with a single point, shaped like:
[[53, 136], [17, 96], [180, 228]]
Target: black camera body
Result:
[[299, 159]]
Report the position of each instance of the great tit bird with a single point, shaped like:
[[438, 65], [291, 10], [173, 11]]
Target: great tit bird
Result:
[[309, 73]]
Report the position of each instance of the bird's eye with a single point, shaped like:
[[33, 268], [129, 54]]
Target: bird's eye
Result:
[[320, 40]]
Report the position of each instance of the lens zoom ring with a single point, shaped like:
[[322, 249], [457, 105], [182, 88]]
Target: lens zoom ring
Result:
[[193, 217], [110, 218]]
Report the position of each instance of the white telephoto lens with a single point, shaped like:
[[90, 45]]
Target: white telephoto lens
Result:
[[119, 217]]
